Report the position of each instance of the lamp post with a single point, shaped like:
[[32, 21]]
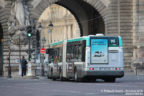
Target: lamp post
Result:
[[43, 57], [9, 65], [20, 71], [43, 41], [41, 65]]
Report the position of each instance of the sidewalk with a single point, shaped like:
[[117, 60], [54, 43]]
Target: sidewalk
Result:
[[130, 75], [15, 75]]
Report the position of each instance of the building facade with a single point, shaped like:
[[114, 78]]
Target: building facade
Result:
[[111, 17]]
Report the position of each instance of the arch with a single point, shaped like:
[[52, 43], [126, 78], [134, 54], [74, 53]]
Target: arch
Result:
[[90, 12]]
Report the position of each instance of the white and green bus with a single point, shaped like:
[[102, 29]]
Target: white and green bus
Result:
[[86, 58]]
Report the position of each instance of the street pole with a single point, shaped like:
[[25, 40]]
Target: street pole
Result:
[[43, 41], [42, 65], [40, 28], [19, 49], [51, 36], [20, 71], [29, 65], [29, 50], [9, 67]]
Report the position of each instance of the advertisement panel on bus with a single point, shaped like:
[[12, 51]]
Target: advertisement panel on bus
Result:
[[99, 51]]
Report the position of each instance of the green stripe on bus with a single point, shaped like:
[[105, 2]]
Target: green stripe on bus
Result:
[[120, 42], [80, 39], [57, 43], [77, 39]]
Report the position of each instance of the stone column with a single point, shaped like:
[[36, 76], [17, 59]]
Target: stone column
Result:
[[138, 35]]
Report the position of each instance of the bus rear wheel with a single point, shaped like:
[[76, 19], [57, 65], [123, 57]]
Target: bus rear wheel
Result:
[[76, 76], [110, 80], [61, 77]]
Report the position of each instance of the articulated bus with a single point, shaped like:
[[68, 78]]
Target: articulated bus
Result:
[[86, 58]]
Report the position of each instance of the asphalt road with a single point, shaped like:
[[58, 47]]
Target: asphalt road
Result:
[[127, 86]]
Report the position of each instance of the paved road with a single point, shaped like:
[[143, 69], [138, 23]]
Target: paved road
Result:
[[127, 86]]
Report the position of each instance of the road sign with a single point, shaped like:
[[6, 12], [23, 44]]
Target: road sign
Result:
[[42, 50]]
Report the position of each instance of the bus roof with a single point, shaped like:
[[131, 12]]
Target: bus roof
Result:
[[84, 38], [70, 40]]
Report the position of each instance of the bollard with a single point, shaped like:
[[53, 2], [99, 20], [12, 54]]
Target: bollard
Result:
[[29, 72], [20, 70]]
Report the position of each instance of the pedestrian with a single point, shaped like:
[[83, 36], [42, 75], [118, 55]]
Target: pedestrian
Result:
[[24, 66]]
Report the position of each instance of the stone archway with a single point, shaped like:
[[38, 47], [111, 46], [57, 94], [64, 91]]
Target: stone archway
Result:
[[116, 16], [89, 14]]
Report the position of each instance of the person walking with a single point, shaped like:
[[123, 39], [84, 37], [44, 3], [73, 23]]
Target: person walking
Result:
[[24, 66]]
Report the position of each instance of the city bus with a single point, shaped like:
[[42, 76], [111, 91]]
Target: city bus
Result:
[[86, 58]]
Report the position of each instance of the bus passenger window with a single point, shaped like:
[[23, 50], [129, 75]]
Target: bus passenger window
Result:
[[75, 51]]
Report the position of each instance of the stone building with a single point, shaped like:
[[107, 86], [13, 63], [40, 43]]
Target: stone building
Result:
[[111, 17]]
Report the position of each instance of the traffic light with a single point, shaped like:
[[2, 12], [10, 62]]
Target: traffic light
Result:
[[29, 34], [30, 57], [29, 31]]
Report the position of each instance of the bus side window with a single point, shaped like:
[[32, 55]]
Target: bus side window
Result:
[[56, 55], [75, 51], [60, 54], [51, 57], [79, 53], [69, 53]]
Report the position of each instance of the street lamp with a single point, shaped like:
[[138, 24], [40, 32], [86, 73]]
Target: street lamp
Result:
[[40, 26], [50, 26]]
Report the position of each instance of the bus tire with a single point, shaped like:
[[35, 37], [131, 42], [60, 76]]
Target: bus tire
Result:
[[61, 77], [76, 76], [51, 74], [53, 79], [110, 80], [48, 77], [60, 74]]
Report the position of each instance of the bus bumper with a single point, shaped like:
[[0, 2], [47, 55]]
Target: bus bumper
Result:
[[100, 74]]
